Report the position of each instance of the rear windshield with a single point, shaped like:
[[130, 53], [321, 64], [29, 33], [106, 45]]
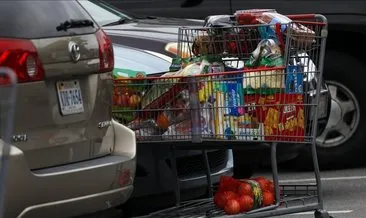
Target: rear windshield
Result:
[[39, 19]]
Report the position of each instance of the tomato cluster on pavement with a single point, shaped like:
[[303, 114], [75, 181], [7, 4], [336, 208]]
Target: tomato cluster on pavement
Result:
[[240, 196]]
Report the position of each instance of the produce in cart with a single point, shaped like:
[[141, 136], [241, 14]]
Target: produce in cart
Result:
[[247, 194], [126, 97]]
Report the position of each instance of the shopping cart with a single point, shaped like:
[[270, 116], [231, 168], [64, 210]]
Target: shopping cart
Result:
[[265, 100], [7, 104]]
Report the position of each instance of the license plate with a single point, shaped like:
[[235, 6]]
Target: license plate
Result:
[[69, 96]]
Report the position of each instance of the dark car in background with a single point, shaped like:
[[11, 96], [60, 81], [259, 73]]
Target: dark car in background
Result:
[[342, 141]]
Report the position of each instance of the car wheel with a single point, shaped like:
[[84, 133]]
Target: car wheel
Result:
[[340, 144]]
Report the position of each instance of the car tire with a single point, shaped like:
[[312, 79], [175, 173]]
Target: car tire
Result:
[[340, 74]]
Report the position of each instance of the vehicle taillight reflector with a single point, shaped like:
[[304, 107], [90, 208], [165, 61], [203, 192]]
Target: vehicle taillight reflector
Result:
[[106, 55], [22, 57], [124, 178]]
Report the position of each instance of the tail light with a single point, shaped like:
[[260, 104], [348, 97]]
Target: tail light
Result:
[[22, 57], [106, 55], [125, 178]]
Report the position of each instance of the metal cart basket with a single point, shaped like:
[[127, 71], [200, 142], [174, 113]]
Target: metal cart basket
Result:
[[261, 85]]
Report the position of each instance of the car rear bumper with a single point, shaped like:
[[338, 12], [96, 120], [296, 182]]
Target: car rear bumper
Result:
[[72, 189], [80, 205]]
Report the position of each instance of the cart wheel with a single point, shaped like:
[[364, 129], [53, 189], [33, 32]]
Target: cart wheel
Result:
[[322, 214]]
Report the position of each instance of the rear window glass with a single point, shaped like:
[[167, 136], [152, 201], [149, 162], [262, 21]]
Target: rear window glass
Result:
[[39, 19]]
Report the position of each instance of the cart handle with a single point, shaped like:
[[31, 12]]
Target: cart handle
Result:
[[307, 16]]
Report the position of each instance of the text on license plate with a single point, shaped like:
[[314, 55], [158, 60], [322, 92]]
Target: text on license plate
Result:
[[70, 98]]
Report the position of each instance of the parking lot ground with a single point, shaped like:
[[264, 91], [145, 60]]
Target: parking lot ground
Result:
[[344, 191]]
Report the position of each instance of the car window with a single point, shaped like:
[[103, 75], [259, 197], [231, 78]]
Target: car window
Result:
[[102, 13], [135, 59], [39, 19]]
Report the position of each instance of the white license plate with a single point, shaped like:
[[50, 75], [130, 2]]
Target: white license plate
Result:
[[69, 96]]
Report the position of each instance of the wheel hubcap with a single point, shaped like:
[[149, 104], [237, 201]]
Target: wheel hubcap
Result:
[[343, 118]]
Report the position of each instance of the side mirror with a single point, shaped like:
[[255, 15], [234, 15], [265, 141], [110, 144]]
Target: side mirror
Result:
[[191, 3]]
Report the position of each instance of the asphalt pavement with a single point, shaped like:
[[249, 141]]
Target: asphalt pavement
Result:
[[344, 191]]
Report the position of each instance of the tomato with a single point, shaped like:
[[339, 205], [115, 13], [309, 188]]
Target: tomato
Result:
[[228, 183], [232, 207], [245, 189], [222, 197], [260, 178], [270, 187], [220, 200], [246, 203], [263, 184], [268, 198]]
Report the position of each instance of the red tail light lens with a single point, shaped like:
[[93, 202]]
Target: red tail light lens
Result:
[[125, 177], [22, 57], [106, 54]]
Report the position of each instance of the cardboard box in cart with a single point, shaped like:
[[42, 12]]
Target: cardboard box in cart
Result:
[[281, 114], [284, 120]]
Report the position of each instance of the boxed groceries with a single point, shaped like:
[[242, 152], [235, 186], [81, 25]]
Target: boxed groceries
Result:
[[250, 125], [206, 94], [284, 117]]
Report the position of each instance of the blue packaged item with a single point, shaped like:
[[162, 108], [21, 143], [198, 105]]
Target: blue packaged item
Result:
[[267, 32], [234, 99], [294, 79]]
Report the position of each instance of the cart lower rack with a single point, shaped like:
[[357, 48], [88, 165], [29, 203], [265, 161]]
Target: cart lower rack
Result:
[[231, 86]]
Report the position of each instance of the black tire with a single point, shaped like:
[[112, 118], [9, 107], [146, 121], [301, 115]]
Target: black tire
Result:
[[347, 70]]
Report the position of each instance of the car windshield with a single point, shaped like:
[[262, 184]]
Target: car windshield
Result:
[[104, 13]]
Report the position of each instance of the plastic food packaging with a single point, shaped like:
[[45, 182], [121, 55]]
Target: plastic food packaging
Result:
[[230, 126], [266, 79], [285, 121], [233, 97], [219, 21], [205, 44], [145, 129], [299, 32], [294, 78], [267, 53], [247, 17], [183, 129], [249, 127]]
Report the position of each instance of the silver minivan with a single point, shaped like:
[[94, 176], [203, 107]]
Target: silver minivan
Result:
[[68, 157]]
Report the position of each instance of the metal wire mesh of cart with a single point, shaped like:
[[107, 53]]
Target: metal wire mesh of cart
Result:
[[7, 103], [240, 83], [291, 196]]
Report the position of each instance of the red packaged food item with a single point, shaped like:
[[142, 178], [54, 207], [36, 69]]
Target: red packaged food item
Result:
[[248, 17], [284, 117]]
